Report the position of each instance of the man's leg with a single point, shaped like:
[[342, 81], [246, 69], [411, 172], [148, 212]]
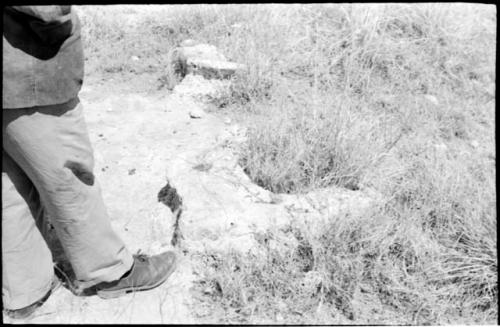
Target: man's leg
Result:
[[52, 147], [27, 269]]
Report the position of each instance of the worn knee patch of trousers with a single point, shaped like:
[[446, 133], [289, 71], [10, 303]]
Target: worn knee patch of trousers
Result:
[[47, 171]]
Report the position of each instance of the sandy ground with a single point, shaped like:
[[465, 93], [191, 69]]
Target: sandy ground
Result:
[[141, 140]]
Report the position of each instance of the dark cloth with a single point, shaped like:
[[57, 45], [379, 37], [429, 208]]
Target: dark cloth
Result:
[[42, 56]]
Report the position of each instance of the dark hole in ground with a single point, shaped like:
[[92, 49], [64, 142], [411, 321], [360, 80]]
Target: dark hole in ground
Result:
[[301, 184], [168, 196]]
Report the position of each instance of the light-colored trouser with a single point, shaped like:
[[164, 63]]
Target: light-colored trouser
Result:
[[47, 170]]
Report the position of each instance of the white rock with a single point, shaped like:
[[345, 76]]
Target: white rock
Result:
[[200, 51], [200, 59], [196, 112], [134, 58], [491, 89], [188, 43], [432, 99], [441, 149], [387, 99], [235, 130]]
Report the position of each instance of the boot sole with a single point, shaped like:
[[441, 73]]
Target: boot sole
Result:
[[104, 294]]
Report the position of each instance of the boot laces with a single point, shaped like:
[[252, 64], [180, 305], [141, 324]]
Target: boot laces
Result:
[[141, 256]]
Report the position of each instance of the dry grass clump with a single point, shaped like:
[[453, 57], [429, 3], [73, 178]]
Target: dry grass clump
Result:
[[425, 256], [291, 151], [416, 261], [130, 40], [371, 60], [454, 208], [286, 280]]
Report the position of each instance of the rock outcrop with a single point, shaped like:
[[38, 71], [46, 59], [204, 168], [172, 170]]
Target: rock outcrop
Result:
[[199, 74], [199, 59]]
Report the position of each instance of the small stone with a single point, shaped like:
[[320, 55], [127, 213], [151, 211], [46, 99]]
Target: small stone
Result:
[[131, 171], [475, 144], [234, 130], [208, 291], [441, 148], [188, 43], [196, 113], [134, 58], [202, 51], [203, 167], [491, 89], [387, 99], [227, 121], [432, 99]]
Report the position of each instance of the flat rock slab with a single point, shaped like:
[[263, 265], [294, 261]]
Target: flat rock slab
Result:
[[213, 69], [139, 143], [200, 51], [199, 59]]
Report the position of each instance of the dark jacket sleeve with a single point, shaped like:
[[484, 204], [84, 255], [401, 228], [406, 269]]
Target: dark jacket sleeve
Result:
[[52, 24], [48, 14], [43, 61]]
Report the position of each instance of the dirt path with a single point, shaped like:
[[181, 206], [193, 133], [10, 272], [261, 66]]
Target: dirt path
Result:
[[142, 140]]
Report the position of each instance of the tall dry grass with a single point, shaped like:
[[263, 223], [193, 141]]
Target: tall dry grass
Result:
[[395, 97]]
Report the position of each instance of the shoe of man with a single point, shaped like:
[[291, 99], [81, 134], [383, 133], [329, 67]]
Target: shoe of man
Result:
[[27, 312], [146, 273]]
